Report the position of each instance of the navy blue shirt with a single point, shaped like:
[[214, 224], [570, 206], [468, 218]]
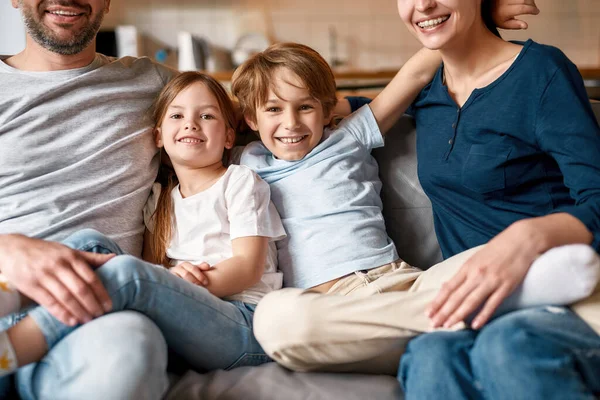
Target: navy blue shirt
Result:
[[527, 145]]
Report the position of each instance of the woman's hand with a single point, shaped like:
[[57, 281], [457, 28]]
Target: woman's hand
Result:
[[488, 277], [192, 273], [505, 13]]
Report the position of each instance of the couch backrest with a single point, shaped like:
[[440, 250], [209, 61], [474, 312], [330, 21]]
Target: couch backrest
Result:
[[406, 208]]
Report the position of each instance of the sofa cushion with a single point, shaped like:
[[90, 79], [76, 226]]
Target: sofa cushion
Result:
[[406, 208]]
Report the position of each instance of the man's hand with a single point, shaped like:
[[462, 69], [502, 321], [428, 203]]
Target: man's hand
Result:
[[486, 279], [505, 13], [192, 273], [56, 277]]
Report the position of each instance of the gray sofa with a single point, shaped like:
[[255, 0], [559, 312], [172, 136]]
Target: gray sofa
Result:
[[405, 205]]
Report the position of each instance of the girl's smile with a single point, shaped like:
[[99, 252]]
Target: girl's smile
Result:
[[193, 130]]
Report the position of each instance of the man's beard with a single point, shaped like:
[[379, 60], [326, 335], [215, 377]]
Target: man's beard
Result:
[[46, 38]]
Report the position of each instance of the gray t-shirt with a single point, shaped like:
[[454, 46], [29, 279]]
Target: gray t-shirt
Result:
[[76, 149]]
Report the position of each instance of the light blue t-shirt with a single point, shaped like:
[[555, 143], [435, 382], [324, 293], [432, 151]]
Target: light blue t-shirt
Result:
[[329, 204]]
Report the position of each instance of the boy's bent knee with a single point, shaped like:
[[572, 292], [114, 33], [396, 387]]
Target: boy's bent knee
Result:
[[284, 318]]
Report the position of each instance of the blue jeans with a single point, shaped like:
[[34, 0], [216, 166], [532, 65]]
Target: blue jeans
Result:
[[535, 353], [207, 332]]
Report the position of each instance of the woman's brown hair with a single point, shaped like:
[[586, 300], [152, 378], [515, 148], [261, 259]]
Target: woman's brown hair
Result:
[[487, 7], [163, 215]]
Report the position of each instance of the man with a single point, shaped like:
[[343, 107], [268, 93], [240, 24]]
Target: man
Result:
[[76, 151]]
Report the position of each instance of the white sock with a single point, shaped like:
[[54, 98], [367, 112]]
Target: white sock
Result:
[[8, 359], [560, 276], [10, 299]]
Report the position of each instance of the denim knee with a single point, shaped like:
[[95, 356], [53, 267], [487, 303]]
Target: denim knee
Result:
[[428, 353], [91, 240], [118, 356], [122, 269], [509, 338]]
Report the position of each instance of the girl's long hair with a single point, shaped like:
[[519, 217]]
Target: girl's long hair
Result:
[[163, 215]]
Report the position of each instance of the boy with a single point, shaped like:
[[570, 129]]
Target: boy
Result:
[[325, 185]]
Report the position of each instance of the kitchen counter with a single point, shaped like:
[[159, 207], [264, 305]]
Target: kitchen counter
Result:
[[359, 82]]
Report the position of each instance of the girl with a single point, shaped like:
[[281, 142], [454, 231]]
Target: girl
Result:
[[213, 228]]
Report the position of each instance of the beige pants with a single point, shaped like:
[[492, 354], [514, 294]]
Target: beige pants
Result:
[[365, 320]]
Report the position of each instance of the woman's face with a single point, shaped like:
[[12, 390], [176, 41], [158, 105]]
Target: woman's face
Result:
[[437, 24]]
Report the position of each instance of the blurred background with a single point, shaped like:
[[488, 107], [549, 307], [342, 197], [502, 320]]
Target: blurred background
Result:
[[361, 39]]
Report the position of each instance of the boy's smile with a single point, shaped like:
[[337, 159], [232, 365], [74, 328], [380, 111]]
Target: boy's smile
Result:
[[291, 121]]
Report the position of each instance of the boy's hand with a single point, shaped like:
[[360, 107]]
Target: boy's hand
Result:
[[192, 273], [505, 13]]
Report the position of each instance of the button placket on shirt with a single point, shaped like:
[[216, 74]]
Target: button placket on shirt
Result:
[[453, 138]]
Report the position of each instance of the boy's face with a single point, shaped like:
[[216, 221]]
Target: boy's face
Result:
[[290, 123]]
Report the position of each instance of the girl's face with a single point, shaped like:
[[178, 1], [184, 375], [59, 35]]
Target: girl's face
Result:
[[437, 24], [193, 130]]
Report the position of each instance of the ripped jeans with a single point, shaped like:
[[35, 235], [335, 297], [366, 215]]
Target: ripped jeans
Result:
[[535, 353]]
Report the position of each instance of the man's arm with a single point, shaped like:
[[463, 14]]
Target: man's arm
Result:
[[56, 277], [505, 13]]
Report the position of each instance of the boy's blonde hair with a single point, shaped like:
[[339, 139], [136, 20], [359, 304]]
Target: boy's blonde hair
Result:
[[253, 79]]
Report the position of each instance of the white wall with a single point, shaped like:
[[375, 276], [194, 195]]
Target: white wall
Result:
[[12, 30]]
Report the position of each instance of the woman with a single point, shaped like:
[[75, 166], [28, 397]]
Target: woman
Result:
[[509, 154]]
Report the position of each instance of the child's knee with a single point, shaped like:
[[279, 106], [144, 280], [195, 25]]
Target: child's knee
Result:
[[83, 236], [121, 269], [282, 316]]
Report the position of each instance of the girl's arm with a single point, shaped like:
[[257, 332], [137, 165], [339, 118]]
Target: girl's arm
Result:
[[241, 271], [253, 222]]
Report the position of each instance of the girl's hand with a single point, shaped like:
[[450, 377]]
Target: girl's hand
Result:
[[192, 273], [487, 278], [505, 13]]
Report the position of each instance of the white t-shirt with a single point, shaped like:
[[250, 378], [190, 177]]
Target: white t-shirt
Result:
[[237, 205]]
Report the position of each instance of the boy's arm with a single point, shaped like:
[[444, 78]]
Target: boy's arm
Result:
[[505, 13], [398, 95]]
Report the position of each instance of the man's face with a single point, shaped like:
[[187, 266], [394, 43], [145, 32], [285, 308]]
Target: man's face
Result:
[[65, 27]]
